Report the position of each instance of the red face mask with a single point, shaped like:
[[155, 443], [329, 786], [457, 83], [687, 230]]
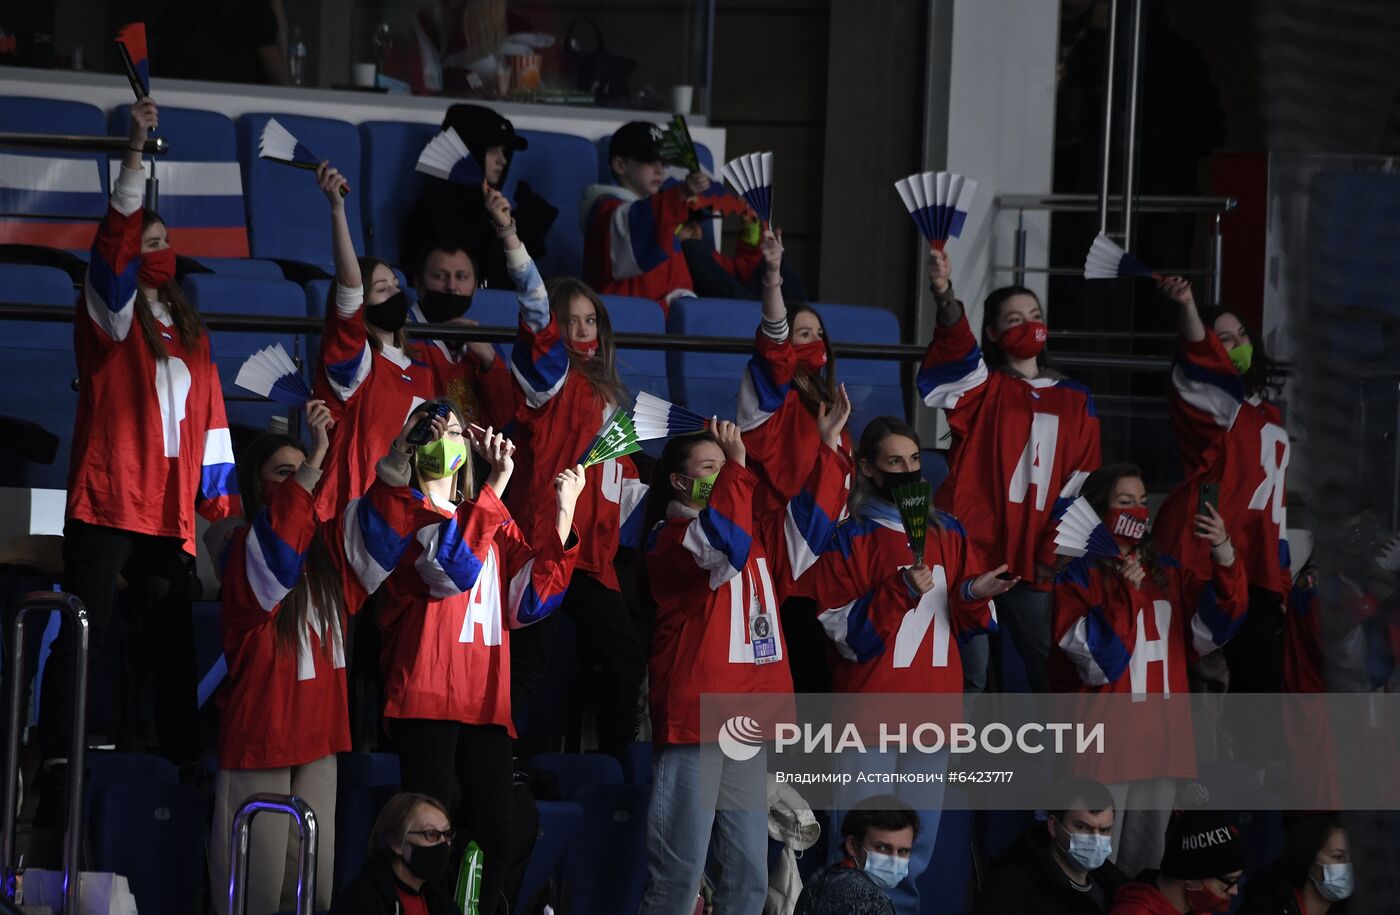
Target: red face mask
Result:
[[811, 356], [270, 489], [587, 349], [1023, 341], [1128, 525], [157, 268], [1203, 902]]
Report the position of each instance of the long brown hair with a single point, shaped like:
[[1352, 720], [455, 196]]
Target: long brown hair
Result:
[[466, 484], [601, 369], [818, 388], [182, 313], [367, 268], [1097, 490], [1263, 378], [318, 590], [992, 353]]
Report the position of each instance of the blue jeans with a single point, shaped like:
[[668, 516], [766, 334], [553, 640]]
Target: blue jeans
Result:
[[702, 801]]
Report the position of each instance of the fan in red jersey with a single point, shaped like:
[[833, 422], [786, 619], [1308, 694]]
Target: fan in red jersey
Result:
[[1024, 439], [1134, 625], [151, 447]]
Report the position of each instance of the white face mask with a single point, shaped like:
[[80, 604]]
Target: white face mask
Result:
[[886, 870], [1088, 850], [1336, 882]]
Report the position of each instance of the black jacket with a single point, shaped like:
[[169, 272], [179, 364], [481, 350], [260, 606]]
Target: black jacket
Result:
[[1027, 881], [375, 892]]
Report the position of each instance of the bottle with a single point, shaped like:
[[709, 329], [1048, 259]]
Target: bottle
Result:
[[296, 58]]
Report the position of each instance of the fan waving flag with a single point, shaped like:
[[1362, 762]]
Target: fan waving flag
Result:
[[448, 158], [752, 177], [618, 437], [912, 501], [1107, 261], [655, 418], [131, 42], [938, 202], [676, 146], [1080, 532], [271, 373], [278, 145]]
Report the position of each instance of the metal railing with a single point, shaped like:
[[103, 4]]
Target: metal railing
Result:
[[308, 838], [73, 608], [153, 146]]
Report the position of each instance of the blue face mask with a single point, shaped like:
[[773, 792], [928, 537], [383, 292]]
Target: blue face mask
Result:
[[886, 870], [1336, 882], [1089, 851]]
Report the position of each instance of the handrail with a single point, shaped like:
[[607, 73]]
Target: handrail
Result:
[[1143, 203], [903, 352], [77, 617], [307, 842], [79, 143], [1109, 59]]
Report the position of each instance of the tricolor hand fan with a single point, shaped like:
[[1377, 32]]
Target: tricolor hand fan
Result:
[[271, 373], [938, 202], [912, 501], [655, 418], [618, 437], [676, 146], [448, 158], [278, 145], [1107, 261], [1080, 532], [752, 177], [131, 43]]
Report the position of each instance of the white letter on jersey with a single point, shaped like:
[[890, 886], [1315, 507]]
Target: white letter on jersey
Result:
[[1037, 461], [932, 609], [612, 481], [1274, 461], [1148, 650], [484, 605], [172, 390]]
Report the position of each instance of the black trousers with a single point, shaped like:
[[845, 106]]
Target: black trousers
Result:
[[607, 643], [158, 578], [469, 768]]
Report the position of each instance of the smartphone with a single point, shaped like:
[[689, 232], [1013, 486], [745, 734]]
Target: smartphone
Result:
[[1007, 576], [1209, 495], [421, 432]]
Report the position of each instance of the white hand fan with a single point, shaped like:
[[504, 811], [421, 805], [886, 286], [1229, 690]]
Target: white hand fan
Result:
[[271, 373], [1389, 558], [657, 418], [938, 202], [1080, 532], [276, 144], [448, 158], [1107, 261], [752, 176]]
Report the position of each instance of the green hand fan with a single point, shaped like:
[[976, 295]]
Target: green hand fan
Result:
[[912, 501], [676, 146], [619, 437]]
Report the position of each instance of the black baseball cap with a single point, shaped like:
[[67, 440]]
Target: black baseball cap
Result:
[[639, 140], [481, 128]]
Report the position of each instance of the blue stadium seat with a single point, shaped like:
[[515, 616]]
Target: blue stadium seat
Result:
[[560, 824], [364, 783], [558, 167], [708, 383], [37, 367], [391, 185], [641, 369], [579, 770], [495, 308], [153, 833], [199, 181], [287, 214], [58, 184], [636, 764], [213, 293], [249, 267], [106, 767], [945, 888], [608, 867]]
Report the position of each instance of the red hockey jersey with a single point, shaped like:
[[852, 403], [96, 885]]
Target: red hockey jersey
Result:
[[718, 577], [1239, 443], [1113, 638], [280, 707], [885, 638], [150, 440], [488, 395], [375, 390], [561, 417], [455, 584], [781, 435], [630, 245], [1018, 446]]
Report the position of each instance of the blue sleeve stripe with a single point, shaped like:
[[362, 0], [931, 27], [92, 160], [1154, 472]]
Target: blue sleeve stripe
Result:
[[217, 480], [532, 609], [769, 394], [1108, 650], [948, 373], [455, 557], [277, 556], [381, 542], [117, 290], [1216, 620], [726, 537], [641, 235], [544, 372], [861, 637], [1285, 554], [346, 374]]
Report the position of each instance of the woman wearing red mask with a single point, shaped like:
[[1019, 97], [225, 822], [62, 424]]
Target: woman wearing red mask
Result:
[[1024, 439], [1115, 620], [150, 448], [566, 366]]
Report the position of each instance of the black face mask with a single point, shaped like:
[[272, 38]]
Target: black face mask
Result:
[[441, 307], [390, 314], [428, 862], [895, 478]]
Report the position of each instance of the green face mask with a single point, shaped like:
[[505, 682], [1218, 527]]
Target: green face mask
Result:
[[1242, 357], [441, 458], [700, 488]]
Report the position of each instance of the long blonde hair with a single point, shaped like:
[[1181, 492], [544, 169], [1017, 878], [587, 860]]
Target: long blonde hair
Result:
[[466, 482], [601, 369]]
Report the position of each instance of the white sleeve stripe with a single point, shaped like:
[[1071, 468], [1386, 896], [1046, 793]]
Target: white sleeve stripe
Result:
[[1201, 639], [1075, 645], [348, 300], [948, 394], [1219, 405], [515, 593], [128, 190], [624, 260], [714, 561], [1074, 484], [800, 555], [115, 322], [345, 391], [834, 622], [440, 584], [370, 573], [264, 584], [218, 447], [750, 415], [536, 399]]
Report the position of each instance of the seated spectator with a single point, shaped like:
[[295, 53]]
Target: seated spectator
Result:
[[1062, 866], [1313, 876], [877, 838], [447, 210], [1200, 872], [409, 852]]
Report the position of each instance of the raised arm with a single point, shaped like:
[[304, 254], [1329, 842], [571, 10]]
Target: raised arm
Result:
[[1189, 322], [774, 308], [347, 263]]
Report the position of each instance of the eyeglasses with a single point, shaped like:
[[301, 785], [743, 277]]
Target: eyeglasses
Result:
[[433, 836], [1230, 882]]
